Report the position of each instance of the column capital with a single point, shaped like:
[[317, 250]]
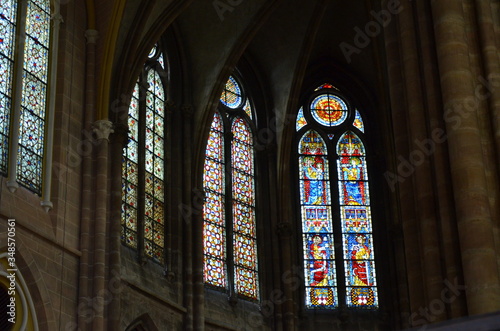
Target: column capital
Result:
[[92, 36], [57, 18], [102, 129]]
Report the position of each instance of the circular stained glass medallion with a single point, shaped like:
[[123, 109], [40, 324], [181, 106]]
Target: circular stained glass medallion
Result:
[[231, 96], [329, 110]]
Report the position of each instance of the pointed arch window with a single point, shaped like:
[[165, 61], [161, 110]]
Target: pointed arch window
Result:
[[143, 163], [25, 110], [335, 212], [229, 231]]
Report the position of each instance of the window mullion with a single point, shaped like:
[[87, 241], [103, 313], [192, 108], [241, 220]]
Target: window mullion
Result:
[[337, 231], [228, 137], [141, 167], [47, 169]]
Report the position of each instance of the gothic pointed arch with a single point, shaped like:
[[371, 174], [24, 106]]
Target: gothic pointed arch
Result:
[[142, 323]]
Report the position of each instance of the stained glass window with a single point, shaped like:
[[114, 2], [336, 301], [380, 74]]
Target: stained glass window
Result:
[[143, 202], [8, 19], [326, 86], [329, 109], [244, 234], [31, 103], [130, 173], [317, 230], [214, 230], [344, 272], [229, 185], [36, 55], [356, 222], [301, 121], [231, 95], [358, 122]]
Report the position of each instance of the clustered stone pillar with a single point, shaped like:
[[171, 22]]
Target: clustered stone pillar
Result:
[[466, 160], [405, 216], [86, 203], [436, 145], [444, 174], [423, 195]]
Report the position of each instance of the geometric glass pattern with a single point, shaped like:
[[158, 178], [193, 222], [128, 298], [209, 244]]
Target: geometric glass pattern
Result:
[[214, 225], [317, 227], [301, 121], [355, 215], [244, 234], [154, 167], [130, 175], [358, 122], [8, 11], [231, 95], [229, 230], [143, 167], [328, 109], [34, 94], [332, 165], [248, 109]]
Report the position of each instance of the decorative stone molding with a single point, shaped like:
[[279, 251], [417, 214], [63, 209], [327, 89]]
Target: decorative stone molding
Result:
[[47, 205], [91, 36], [12, 185], [57, 18], [102, 129]]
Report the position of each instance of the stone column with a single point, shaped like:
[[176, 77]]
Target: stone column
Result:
[[102, 130], [466, 159], [192, 247], [418, 158], [437, 143], [114, 286], [399, 183], [491, 64], [87, 166]]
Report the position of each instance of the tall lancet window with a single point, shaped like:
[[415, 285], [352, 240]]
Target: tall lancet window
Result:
[[143, 163], [337, 241], [229, 231], [25, 38]]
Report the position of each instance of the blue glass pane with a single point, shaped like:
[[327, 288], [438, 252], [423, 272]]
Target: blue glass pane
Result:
[[231, 95]]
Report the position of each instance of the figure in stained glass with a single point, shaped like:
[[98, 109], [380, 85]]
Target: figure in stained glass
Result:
[[314, 186], [360, 252], [319, 264], [329, 111]]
